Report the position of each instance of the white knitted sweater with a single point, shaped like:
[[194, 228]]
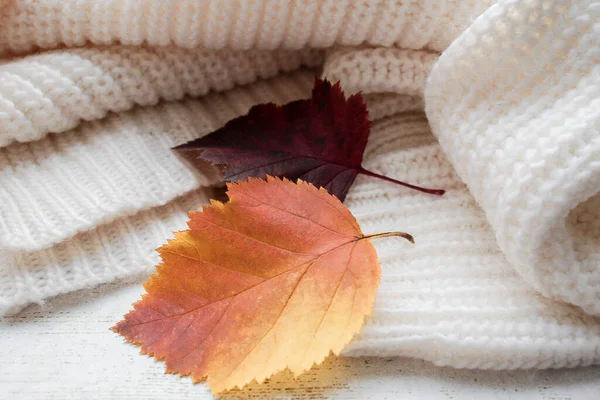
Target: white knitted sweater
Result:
[[506, 270]]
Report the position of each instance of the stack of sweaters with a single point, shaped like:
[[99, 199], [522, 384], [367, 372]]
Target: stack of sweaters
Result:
[[496, 102]]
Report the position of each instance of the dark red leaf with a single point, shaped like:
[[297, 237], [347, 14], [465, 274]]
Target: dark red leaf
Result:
[[320, 140]]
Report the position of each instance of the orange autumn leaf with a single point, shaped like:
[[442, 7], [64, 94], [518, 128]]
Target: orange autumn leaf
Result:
[[279, 276]]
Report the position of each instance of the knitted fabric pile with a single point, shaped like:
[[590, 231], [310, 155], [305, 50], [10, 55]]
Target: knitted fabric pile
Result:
[[506, 269]]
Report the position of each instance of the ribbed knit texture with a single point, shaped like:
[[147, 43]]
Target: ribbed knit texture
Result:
[[121, 249], [452, 298], [94, 188], [54, 91], [73, 181], [380, 70], [536, 170], [235, 24]]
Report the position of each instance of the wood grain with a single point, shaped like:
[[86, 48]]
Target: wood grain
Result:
[[64, 350]]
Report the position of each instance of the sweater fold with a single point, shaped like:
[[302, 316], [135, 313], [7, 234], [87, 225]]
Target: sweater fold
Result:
[[536, 168], [27, 25], [71, 182]]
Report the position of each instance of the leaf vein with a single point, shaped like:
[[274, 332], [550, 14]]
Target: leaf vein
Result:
[[262, 166], [339, 284], [297, 215], [211, 263], [227, 297], [276, 319], [253, 238]]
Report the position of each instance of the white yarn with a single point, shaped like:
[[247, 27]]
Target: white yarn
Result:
[[380, 70], [236, 24], [54, 91], [71, 182], [521, 125], [451, 298], [124, 248]]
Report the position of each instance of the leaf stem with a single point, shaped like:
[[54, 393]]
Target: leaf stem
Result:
[[437, 192], [388, 234]]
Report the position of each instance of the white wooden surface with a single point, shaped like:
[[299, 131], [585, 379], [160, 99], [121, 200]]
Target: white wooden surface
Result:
[[64, 350]]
